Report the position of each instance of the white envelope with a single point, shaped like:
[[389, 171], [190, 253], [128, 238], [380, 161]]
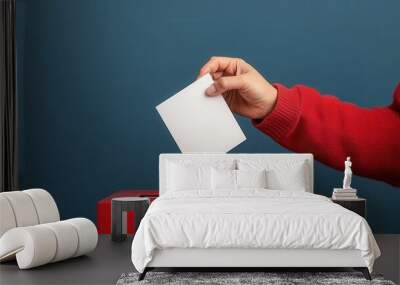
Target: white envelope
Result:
[[199, 123]]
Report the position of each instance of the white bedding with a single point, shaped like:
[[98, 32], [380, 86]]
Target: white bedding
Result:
[[250, 218]]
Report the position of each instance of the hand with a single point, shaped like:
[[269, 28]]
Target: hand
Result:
[[245, 90]]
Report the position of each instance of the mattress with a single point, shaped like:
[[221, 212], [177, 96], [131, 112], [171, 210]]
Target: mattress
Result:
[[251, 219]]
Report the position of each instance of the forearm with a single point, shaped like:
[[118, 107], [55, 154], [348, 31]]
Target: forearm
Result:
[[305, 121]]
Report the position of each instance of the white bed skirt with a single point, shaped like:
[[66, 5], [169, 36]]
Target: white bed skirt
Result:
[[192, 257]]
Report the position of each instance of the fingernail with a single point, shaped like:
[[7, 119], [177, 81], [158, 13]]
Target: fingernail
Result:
[[211, 90]]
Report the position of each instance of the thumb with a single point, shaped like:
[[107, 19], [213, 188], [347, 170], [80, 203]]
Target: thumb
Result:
[[224, 84]]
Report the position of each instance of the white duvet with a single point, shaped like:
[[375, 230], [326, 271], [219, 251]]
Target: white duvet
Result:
[[250, 219]]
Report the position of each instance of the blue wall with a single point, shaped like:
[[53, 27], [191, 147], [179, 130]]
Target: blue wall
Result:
[[91, 72]]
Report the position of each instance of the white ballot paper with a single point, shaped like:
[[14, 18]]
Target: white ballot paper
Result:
[[199, 123]]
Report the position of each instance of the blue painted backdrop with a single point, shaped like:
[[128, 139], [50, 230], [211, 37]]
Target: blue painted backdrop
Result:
[[91, 72]]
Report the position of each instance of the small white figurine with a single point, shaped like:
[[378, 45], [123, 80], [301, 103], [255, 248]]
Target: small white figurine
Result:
[[347, 174]]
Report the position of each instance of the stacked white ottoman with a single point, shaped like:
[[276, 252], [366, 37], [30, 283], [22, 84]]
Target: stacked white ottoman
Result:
[[31, 230]]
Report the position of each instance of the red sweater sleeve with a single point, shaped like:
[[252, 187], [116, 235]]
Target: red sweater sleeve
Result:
[[303, 120]]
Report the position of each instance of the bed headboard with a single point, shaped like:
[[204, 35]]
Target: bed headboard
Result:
[[270, 157]]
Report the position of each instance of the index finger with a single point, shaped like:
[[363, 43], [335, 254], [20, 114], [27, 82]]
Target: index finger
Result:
[[218, 64]]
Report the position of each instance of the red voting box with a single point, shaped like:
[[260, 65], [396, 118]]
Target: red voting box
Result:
[[104, 209]]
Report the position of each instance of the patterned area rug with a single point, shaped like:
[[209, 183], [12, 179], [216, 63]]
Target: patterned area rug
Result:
[[269, 278]]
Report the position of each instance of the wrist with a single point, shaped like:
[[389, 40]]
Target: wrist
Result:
[[283, 116], [268, 103], [272, 99]]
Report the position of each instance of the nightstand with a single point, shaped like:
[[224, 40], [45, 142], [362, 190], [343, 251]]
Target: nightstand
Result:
[[104, 209], [358, 206], [119, 207]]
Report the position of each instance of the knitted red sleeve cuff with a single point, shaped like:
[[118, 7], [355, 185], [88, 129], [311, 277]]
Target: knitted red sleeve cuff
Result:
[[285, 115]]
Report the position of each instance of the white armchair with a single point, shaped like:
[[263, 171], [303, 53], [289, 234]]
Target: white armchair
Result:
[[31, 230]]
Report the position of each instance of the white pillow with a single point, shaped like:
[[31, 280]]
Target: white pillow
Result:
[[292, 179], [251, 178], [237, 179], [188, 177], [281, 175], [223, 179], [193, 174]]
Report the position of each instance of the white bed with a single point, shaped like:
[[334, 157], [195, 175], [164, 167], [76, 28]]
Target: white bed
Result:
[[207, 226]]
